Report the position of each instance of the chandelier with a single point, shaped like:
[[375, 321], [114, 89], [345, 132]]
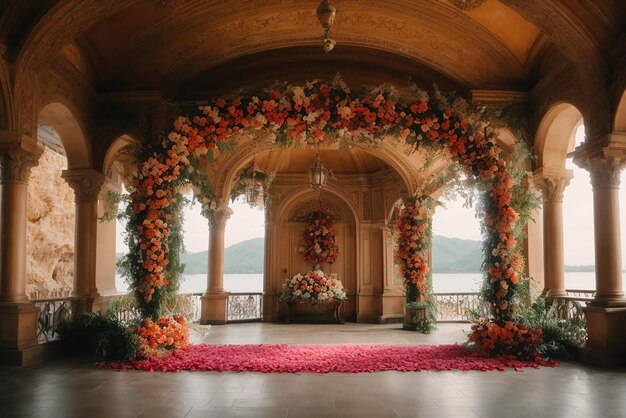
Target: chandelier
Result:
[[318, 174], [326, 15], [253, 182]]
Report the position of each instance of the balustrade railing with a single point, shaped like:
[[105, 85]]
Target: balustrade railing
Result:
[[581, 293], [454, 307], [53, 312], [244, 307]]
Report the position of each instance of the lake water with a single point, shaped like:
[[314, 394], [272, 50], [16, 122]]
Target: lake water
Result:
[[442, 283]]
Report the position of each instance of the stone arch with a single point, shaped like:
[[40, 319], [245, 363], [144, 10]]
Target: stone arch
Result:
[[107, 229], [555, 135], [286, 232], [619, 122], [116, 153], [229, 165], [70, 130]]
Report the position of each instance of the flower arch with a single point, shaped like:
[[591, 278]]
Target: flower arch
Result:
[[310, 114]]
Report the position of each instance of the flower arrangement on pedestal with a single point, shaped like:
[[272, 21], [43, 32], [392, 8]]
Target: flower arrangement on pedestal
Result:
[[313, 287], [318, 244]]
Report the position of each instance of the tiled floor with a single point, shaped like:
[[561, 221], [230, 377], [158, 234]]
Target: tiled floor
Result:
[[72, 388]]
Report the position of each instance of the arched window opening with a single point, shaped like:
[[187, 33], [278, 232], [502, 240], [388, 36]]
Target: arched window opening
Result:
[[456, 248], [50, 229], [578, 235]]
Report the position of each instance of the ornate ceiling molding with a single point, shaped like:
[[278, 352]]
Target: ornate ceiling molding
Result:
[[439, 41], [467, 4]]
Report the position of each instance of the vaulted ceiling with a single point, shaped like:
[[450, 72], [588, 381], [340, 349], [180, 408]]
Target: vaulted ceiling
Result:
[[190, 48]]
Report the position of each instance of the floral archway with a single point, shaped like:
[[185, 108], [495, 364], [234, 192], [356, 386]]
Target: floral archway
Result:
[[308, 115]]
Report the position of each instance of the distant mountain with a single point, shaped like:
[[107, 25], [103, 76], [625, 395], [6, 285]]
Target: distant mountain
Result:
[[454, 255], [450, 255], [245, 257]]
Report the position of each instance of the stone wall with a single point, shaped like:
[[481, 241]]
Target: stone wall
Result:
[[50, 250]]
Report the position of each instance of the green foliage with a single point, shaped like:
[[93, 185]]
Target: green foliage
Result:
[[101, 334], [557, 332]]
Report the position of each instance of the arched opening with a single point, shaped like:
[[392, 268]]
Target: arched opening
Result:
[[51, 217], [117, 165], [578, 231], [50, 230], [456, 247], [556, 135], [70, 132]]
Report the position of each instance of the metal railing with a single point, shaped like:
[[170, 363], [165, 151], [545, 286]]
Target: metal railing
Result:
[[53, 312], [454, 307], [244, 307]]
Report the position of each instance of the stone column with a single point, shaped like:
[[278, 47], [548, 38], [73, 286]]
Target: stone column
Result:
[[105, 248], [605, 179], [606, 315], [552, 184], [215, 299], [393, 295], [18, 316], [86, 184]]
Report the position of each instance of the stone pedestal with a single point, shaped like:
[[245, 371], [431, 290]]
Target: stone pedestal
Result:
[[18, 334], [214, 308], [606, 345]]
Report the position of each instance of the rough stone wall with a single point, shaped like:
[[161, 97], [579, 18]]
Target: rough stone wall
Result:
[[50, 242]]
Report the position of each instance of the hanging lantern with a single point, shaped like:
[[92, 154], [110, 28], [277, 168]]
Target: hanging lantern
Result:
[[326, 15], [254, 186], [318, 174]]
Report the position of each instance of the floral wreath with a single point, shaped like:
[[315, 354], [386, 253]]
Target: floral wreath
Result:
[[307, 114], [317, 244]]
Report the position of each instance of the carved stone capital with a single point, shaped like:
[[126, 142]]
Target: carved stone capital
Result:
[[87, 184], [604, 158], [604, 172], [552, 183], [18, 156], [218, 219]]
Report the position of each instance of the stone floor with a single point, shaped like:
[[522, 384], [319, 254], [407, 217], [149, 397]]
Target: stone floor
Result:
[[74, 388]]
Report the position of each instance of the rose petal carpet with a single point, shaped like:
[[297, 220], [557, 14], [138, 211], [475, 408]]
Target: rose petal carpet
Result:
[[274, 358]]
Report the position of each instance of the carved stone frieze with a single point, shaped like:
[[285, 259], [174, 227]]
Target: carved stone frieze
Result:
[[301, 212], [467, 4], [87, 184], [218, 219], [389, 31]]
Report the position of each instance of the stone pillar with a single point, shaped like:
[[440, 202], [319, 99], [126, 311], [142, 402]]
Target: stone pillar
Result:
[[106, 235], [606, 315], [393, 295], [215, 299], [87, 184], [18, 316], [552, 184]]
